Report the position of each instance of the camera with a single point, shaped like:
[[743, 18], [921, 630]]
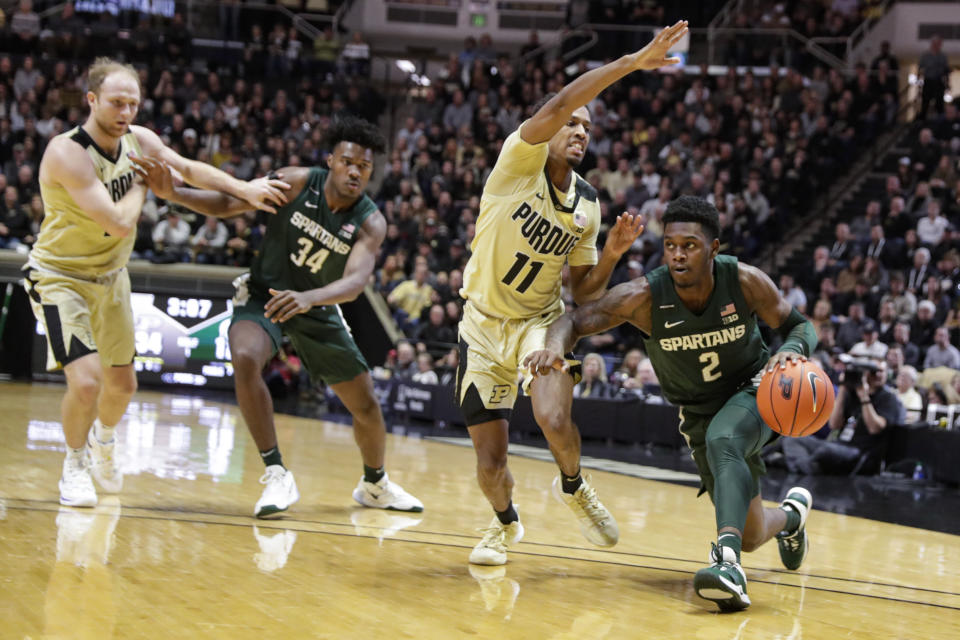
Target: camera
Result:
[[854, 368]]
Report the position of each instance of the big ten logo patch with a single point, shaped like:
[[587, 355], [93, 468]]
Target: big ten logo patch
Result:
[[499, 393]]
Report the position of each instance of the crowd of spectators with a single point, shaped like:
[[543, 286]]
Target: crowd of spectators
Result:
[[758, 147], [827, 22]]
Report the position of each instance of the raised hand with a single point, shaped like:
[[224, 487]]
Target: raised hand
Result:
[[627, 229], [654, 55]]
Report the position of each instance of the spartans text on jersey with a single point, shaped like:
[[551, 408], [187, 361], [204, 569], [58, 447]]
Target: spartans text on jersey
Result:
[[704, 340], [542, 235], [315, 230]]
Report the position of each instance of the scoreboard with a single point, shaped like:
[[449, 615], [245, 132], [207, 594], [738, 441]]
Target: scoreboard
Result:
[[180, 340]]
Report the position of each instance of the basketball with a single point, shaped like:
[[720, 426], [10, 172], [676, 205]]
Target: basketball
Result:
[[796, 401]]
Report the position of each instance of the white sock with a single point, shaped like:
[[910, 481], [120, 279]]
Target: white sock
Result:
[[102, 432], [75, 456]]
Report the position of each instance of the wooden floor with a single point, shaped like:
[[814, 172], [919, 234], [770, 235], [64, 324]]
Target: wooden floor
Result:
[[177, 554]]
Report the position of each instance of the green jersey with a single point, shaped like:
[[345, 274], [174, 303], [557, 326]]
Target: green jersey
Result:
[[702, 359], [307, 245]]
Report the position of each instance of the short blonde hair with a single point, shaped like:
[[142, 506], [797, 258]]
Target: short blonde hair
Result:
[[601, 363], [103, 67]]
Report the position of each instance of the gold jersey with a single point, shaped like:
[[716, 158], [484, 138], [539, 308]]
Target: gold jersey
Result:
[[525, 233], [70, 242]]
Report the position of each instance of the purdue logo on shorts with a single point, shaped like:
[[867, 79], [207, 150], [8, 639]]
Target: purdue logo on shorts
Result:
[[500, 391], [786, 386]]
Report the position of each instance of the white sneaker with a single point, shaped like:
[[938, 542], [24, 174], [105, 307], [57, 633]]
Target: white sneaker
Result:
[[104, 465], [76, 486], [385, 495], [279, 494], [274, 550], [596, 523], [380, 524], [492, 548]]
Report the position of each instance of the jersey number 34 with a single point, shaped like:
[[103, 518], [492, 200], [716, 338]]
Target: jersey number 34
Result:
[[304, 257]]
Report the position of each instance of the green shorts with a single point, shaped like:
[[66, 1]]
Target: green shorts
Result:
[[740, 416], [325, 345]]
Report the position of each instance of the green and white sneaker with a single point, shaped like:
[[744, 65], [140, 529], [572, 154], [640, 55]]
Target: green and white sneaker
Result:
[[724, 581], [794, 546]]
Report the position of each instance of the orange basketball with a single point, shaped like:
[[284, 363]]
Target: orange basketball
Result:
[[795, 401]]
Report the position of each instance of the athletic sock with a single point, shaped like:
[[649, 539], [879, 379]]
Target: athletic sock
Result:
[[508, 515], [373, 475], [102, 432], [271, 457], [570, 484], [76, 456], [793, 519], [730, 540]]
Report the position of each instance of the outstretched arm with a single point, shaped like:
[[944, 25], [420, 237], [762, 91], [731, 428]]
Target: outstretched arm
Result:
[[764, 299], [628, 302], [159, 179], [261, 193], [363, 257], [553, 115], [589, 281]]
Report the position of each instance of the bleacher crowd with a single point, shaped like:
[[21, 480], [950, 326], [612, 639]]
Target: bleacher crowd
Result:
[[759, 147]]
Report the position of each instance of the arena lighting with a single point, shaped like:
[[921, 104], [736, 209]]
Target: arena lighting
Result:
[[406, 66]]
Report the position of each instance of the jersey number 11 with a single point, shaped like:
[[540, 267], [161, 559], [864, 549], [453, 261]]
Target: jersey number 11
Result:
[[518, 265]]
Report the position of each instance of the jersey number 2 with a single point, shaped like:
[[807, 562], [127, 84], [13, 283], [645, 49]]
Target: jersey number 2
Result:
[[315, 261], [710, 361], [518, 265]]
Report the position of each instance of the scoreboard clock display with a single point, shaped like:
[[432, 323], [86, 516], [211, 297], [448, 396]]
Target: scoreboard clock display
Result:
[[180, 340]]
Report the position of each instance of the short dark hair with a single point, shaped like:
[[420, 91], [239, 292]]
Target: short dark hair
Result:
[[547, 97], [349, 128], [693, 209]]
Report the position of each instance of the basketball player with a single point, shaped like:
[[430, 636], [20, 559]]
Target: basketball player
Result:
[[698, 313], [76, 275], [319, 250], [537, 214]]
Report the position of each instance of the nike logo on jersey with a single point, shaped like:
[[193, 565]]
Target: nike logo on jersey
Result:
[[540, 195], [309, 206], [671, 325]]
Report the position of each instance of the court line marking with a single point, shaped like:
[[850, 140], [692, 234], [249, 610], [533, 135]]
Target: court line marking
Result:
[[272, 525]]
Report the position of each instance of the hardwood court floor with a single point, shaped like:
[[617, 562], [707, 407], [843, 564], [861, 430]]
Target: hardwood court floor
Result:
[[177, 554]]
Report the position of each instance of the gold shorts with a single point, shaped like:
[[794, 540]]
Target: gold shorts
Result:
[[491, 362], [83, 316]]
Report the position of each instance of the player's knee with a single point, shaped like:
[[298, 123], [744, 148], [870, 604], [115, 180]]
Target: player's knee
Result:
[[491, 462], [552, 419], [367, 410], [85, 388], [722, 448], [246, 361], [126, 386]]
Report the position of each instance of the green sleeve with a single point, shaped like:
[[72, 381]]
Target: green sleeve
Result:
[[798, 334]]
